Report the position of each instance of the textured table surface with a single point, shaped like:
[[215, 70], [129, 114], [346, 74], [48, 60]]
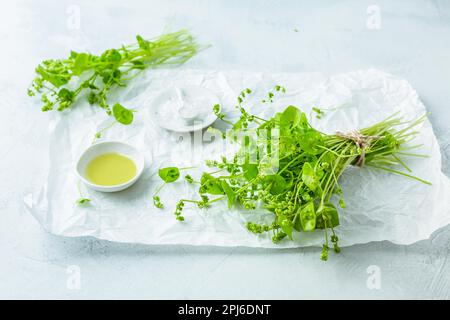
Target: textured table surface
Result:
[[407, 38]]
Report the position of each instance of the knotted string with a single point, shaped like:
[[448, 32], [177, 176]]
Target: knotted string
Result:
[[361, 141]]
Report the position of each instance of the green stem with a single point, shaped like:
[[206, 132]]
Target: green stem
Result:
[[159, 189], [399, 172]]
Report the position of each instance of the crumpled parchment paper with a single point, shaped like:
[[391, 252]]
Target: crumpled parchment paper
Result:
[[380, 206]]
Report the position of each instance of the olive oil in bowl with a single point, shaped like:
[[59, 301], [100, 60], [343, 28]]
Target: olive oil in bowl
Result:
[[110, 166], [111, 169]]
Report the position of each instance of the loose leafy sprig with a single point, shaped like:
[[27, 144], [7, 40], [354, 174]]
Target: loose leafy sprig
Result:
[[98, 74], [300, 194], [82, 200], [169, 175], [121, 114]]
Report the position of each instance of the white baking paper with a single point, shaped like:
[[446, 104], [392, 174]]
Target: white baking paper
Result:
[[380, 206]]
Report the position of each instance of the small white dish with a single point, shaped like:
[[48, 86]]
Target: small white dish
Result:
[[185, 109], [100, 148]]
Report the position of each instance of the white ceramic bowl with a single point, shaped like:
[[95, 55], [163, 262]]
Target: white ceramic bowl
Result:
[[185, 109], [100, 148]]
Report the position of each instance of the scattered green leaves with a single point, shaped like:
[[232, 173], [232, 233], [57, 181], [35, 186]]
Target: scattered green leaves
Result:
[[299, 192], [99, 74]]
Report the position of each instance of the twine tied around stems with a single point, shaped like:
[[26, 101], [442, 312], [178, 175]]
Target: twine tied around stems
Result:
[[361, 141]]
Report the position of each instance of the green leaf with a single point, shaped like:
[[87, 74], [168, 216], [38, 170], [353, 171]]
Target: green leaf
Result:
[[309, 176], [57, 80], [111, 66], [107, 75], [289, 180], [250, 171], [308, 217], [143, 44], [210, 185], [291, 117], [231, 195], [238, 124], [112, 56], [169, 174], [92, 98], [276, 182], [82, 201], [188, 178], [297, 222], [309, 140], [276, 238], [66, 94], [329, 214], [327, 159], [117, 74], [115, 56], [81, 63], [122, 114], [286, 225], [138, 64]]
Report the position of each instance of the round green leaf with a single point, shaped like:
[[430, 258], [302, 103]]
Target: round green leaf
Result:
[[309, 176], [291, 116], [169, 174], [122, 114], [210, 185], [329, 214], [277, 183], [308, 217], [250, 171]]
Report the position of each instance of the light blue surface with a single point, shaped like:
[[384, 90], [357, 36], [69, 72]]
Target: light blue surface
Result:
[[273, 36]]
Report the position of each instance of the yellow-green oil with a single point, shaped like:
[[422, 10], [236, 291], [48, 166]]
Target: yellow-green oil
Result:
[[111, 169]]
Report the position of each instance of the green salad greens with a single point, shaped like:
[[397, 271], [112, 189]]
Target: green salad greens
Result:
[[97, 75], [303, 192], [284, 164]]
